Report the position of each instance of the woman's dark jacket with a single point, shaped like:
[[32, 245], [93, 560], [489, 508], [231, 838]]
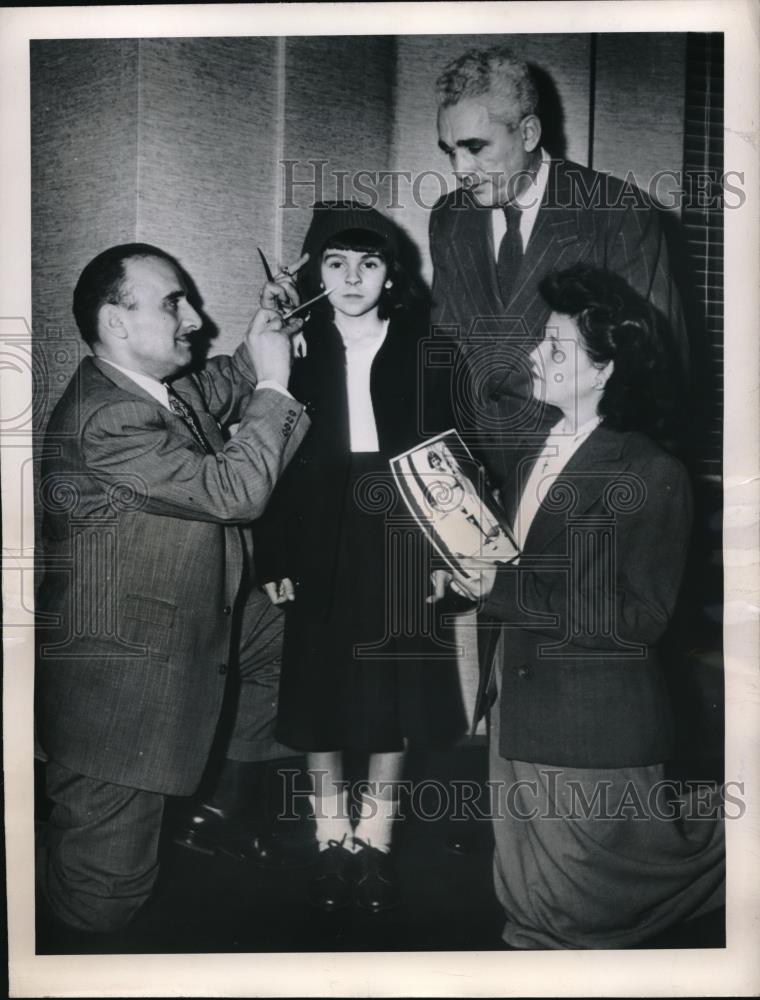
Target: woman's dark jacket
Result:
[[582, 682]]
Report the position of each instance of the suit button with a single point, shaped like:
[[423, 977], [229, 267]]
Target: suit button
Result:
[[227, 610], [222, 668], [523, 671]]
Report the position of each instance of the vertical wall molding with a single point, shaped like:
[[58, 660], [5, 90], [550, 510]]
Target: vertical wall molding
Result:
[[635, 75], [279, 146], [702, 220], [591, 98], [138, 137]]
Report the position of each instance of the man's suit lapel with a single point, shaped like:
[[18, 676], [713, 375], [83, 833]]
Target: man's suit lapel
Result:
[[471, 247], [580, 485], [185, 386], [125, 383], [550, 247]]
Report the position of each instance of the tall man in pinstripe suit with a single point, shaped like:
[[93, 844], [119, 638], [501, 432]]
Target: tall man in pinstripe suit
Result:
[[142, 599], [515, 216]]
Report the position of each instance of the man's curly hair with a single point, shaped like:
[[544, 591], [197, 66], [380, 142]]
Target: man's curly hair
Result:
[[495, 72]]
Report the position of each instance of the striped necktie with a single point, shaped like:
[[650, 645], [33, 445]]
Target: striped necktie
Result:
[[185, 412], [510, 252]]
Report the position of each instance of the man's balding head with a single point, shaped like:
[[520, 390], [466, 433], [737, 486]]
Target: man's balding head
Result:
[[103, 281]]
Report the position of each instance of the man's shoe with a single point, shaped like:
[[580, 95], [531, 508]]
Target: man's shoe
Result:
[[376, 886], [213, 831], [331, 888]]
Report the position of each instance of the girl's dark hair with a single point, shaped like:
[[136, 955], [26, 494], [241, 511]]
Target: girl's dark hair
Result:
[[398, 296], [617, 324]]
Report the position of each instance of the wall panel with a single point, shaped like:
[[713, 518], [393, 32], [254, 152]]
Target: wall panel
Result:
[[339, 108], [84, 178], [639, 107], [206, 177]]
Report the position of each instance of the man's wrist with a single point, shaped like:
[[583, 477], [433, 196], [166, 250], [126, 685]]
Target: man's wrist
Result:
[[271, 383]]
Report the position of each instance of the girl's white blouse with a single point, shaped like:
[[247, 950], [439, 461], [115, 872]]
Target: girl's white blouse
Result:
[[361, 415]]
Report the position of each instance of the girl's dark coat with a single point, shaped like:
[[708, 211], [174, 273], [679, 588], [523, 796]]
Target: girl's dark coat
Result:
[[300, 537]]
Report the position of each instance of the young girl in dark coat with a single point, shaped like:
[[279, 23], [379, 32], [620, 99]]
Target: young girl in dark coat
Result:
[[364, 666]]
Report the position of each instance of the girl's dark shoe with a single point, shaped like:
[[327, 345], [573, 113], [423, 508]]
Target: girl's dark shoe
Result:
[[332, 885], [376, 885]]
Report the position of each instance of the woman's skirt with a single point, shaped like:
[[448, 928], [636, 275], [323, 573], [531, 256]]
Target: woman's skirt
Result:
[[370, 667]]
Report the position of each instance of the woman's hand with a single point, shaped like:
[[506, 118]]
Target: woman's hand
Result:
[[475, 586], [279, 593], [440, 578], [479, 583]]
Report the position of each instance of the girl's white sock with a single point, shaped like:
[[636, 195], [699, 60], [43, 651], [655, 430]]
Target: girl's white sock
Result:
[[331, 813], [376, 822]]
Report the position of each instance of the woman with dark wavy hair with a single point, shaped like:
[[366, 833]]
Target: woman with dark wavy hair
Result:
[[592, 849], [618, 325]]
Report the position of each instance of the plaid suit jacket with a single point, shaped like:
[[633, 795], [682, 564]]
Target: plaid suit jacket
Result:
[[144, 557]]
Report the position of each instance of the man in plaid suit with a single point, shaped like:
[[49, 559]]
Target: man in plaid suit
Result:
[[142, 599]]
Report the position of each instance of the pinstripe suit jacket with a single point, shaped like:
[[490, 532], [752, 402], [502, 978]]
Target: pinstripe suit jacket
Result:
[[144, 559], [584, 216]]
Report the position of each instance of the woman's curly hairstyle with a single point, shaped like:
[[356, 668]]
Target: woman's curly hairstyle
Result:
[[617, 324]]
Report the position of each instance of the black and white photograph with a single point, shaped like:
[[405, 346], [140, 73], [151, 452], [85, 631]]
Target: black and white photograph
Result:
[[380, 509], [443, 487]]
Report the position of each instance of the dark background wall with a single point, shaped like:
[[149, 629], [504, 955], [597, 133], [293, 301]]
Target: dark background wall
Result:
[[179, 142]]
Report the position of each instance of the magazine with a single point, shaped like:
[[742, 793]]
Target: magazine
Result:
[[445, 490]]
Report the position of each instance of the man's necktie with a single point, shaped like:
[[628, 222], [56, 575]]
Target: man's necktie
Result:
[[510, 252], [186, 413]]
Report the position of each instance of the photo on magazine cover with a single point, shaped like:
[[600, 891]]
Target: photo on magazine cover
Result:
[[445, 492]]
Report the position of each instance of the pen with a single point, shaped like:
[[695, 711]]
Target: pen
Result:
[[267, 268], [310, 301]]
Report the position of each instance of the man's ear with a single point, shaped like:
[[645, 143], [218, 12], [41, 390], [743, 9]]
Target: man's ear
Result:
[[111, 322], [530, 128]]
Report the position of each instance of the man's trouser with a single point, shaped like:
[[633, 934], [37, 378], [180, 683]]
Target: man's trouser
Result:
[[102, 846]]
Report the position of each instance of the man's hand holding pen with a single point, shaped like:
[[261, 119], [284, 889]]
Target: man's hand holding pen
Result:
[[280, 294], [269, 334]]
